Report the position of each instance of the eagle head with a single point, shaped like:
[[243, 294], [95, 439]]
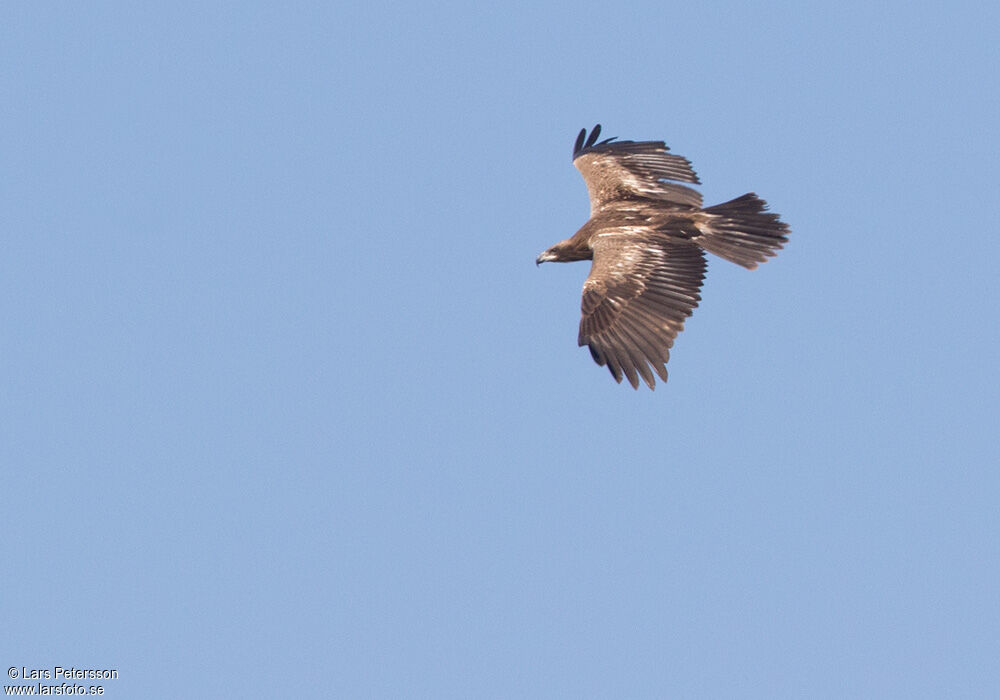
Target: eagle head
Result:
[[547, 256]]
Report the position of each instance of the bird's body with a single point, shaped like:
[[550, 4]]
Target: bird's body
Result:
[[647, 237]]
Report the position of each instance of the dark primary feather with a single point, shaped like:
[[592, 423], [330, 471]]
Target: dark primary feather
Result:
[[581, 145]]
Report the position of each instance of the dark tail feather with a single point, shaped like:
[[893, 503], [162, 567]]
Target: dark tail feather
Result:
[[743, 232]]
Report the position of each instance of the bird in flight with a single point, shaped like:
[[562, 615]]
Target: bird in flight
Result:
[[647, 237]]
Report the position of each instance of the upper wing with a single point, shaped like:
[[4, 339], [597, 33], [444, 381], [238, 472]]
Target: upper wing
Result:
[[640, 290], [625, 169]]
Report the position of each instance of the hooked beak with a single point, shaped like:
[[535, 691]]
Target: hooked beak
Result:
[[544, 257]]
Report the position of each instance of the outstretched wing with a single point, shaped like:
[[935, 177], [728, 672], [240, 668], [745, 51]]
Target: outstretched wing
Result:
[[616, 170], [640, 290]]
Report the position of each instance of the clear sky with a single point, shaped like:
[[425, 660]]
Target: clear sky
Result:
[[287, 409]]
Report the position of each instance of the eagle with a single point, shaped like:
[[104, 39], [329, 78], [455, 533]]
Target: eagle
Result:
[[647, 236]]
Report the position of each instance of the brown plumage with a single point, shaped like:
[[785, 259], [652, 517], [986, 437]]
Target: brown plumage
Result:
[[647, 237]]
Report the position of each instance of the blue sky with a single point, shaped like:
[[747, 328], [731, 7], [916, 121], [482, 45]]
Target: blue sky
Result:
[[287, 409]]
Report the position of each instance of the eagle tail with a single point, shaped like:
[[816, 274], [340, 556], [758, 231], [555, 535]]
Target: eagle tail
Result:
[[743, 231]]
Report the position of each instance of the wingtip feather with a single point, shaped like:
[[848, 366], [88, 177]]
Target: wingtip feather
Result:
[[592, 139]]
